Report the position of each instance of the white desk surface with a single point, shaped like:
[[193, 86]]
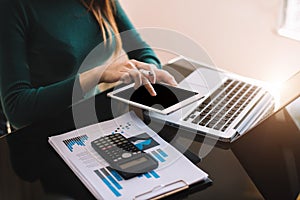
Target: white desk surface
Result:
[[239, 36]]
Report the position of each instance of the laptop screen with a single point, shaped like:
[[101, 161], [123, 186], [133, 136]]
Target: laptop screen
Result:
[[288, 91], [286, 96], [270, 152]]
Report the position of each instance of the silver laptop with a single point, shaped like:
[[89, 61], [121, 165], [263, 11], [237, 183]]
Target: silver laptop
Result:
[[231, 106], [277, 141]]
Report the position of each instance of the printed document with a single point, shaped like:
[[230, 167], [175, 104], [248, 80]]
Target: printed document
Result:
[[174, 172]]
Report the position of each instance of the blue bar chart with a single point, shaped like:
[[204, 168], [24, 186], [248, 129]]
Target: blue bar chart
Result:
[[112, 179], [159, 155], [80, 141], [106, 181]]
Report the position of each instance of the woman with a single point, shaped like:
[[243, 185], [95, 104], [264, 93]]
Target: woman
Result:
[[43, 44]]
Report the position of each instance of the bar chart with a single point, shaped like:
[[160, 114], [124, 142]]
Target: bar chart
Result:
[[79, 140], [113, 181]]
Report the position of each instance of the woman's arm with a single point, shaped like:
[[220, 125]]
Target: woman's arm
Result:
[[140, 55], [21, 101]]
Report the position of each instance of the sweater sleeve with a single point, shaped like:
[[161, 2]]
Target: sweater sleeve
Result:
[[132, 42], [23, 103]]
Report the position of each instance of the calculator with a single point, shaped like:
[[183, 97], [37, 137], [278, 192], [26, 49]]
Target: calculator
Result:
[[123, 156]]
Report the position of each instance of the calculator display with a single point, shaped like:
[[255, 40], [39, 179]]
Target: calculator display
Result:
[[133, 163]]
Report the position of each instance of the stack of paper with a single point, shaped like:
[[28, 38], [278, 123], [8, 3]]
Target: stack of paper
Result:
[[174, 172]]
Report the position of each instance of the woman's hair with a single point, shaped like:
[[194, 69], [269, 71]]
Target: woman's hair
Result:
[[104, 11]]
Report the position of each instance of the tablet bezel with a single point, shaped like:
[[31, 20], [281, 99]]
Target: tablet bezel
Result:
[[165, 111]]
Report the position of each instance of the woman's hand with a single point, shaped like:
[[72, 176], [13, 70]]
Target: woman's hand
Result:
[[133, 70], [126, 71], [107, 74], [156, 75]]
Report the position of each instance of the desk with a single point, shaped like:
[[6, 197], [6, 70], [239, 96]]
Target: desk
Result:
[[233, 177]]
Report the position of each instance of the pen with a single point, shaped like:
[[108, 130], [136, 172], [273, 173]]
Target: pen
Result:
[[147, 83]]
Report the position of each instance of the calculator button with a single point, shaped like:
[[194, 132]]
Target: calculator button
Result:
[[126, 155]]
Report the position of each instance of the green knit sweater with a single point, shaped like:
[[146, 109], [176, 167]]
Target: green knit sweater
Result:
[[43, 45]]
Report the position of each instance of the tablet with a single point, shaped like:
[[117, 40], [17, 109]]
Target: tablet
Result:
[[167, 100]]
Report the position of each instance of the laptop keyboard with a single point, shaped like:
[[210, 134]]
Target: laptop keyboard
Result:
[[223, 106]]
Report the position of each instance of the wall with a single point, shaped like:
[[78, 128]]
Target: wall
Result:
[[239, 35]]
